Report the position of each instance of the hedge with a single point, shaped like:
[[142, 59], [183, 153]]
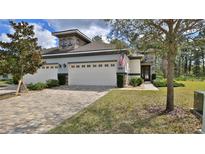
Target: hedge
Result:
[[163, 83], [52, 83], [37, 86]]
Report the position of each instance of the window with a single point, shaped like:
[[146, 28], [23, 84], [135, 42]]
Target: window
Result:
[[100, 65], [106, 65], [64, 65], [83, 66], [5, 76], [52, 67], [60, 66], [47, 67], [43, 67], [72, 66], [77, 66], [112, 65], [56, 66], [94, 65], [88, 66]]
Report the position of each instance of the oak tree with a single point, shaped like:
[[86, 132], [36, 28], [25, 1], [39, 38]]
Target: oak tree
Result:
[[165, 34]]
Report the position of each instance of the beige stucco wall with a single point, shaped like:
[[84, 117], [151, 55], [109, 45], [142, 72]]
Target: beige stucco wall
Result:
[[134, 66]]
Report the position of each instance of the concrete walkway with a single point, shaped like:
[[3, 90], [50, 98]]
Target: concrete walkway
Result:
[[145, 86], [40, 111]]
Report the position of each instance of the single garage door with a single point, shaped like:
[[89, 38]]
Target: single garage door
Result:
[[96, 73]]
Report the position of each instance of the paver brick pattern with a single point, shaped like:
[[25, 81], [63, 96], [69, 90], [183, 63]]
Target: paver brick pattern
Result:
[[40, 111]]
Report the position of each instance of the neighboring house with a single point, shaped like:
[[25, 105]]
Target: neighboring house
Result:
[[5, 77], [83, 62]]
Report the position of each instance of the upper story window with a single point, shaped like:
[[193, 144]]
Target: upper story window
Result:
[[106, 65], [88, 65], [66, 42], [100, 65]]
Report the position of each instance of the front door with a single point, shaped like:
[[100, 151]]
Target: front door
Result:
[[145, 72]]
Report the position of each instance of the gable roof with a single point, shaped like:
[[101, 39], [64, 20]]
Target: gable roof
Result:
[[93, 46]]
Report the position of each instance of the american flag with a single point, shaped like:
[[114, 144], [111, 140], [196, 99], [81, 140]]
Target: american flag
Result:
[[122, 60]]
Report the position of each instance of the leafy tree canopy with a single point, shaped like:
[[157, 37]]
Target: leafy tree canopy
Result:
[[21, 55]]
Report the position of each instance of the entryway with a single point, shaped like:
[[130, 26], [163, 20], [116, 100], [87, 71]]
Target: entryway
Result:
[[145, 72]]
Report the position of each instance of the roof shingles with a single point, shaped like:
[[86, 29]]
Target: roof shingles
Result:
[[93, 46]]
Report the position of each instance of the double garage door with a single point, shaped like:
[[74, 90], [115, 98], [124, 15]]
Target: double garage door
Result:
[[95, 73]]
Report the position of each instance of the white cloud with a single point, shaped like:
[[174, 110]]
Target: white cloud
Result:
[[45, 38], [4, 38], [95, 30], [90, 27]]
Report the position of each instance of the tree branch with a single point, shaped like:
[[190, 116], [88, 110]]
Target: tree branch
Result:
[[157, 26]]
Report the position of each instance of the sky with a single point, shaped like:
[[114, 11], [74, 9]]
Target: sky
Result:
[[44, 28]]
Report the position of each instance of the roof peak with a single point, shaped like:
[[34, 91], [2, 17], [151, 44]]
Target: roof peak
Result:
[[72, 31]]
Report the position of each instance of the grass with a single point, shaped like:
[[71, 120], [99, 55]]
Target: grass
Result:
[[136, 112], [3, 83]]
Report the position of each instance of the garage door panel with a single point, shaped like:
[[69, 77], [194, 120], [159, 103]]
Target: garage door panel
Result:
[[92, 75]]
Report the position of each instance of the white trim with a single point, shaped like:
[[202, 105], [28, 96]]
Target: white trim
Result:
[[74, 53]]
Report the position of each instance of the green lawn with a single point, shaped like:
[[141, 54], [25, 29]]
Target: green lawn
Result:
[[136, 112], [3, 83]]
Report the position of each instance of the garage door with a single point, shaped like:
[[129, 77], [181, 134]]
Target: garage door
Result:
[[98, 73], [46, 72]]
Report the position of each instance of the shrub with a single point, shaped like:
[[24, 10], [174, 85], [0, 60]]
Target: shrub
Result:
[[163, 83], [154, 76], [16, 79], [136, 81], [120, 80], [52, 83], [160, 83], [62, 79], [190, 78], [37, 86], [181, 78]]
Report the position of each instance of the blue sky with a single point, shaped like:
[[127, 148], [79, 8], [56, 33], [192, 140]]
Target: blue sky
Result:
[[43, 28]]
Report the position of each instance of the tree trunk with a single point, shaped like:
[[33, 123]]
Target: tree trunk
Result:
[[186, 66], [179, 67], [21, 84], [170, 75], [170, 84], [190, 61], [164, 66], [203, 65]]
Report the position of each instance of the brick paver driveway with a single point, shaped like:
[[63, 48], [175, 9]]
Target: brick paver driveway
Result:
[[39, 111]]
